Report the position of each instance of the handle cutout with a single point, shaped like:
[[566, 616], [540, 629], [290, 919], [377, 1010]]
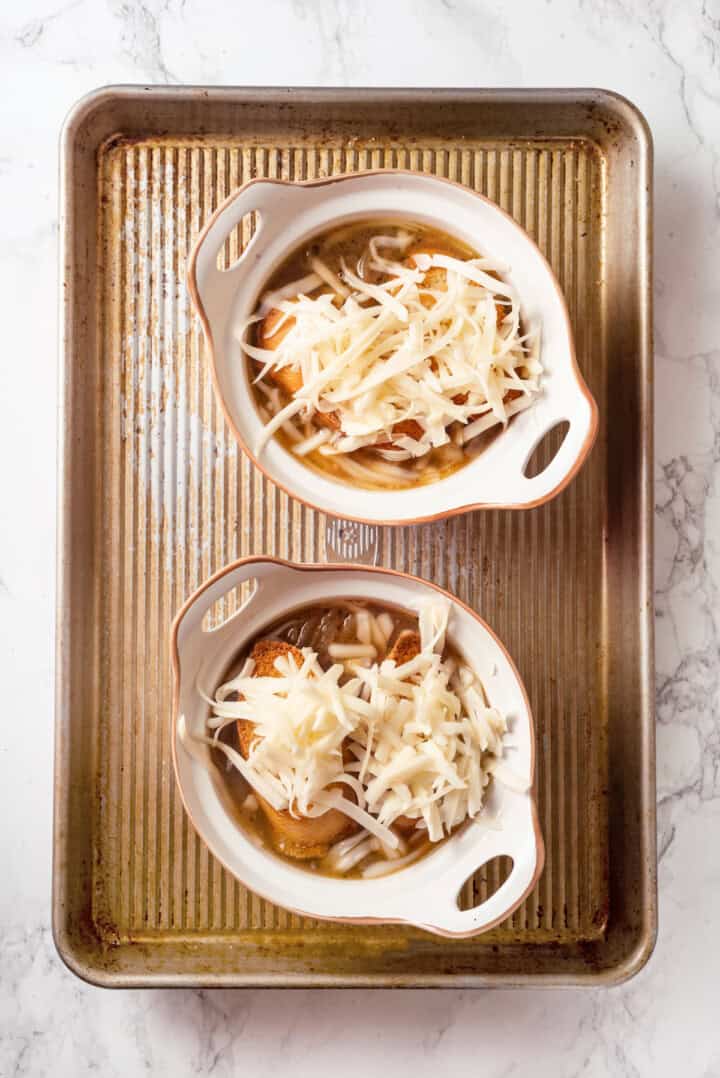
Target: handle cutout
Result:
[[546, 450], [483, 883], [237, 242], [229, 605]]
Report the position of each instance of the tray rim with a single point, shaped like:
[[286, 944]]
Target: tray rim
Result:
[[71, 947]]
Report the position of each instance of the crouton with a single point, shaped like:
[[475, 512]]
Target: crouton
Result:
[[406, 647], [289, 379], [436, 278], [409, 427], [301, 838]]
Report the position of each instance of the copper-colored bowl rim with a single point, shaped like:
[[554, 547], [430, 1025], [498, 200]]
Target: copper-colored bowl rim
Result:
[[378, 570], [432, 517]]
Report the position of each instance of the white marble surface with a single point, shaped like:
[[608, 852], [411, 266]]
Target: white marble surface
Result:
[[666, 57]]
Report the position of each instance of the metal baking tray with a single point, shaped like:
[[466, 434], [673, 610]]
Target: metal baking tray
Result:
[[155, 496]]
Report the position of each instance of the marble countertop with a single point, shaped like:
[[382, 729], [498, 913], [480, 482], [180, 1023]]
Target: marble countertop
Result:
[[666, 58]]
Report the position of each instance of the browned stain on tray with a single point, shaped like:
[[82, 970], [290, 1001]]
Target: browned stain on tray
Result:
[[169, 499]]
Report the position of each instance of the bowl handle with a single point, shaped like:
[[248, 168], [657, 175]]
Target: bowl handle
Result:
[[582, 416], [188, 628], [215, 289], [439, 910]]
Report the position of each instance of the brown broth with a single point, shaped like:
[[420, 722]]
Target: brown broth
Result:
[[315, 626], [348, 244]]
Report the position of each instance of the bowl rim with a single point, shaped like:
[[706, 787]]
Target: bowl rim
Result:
[[429, 518], [532, 792]]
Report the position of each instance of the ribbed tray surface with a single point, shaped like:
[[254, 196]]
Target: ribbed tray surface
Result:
[[176, 500]]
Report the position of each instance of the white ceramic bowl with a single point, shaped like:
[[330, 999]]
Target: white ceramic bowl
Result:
[[423, 894], [288, 214]]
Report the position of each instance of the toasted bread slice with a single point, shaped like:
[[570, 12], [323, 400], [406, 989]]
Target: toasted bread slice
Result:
[[406, 647], [264, 654], [269, 337], [436, 278], [409, 427], [303, 839], [287, 378], [291, 381], [327, 419]]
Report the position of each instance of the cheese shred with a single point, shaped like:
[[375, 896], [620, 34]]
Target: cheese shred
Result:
[[404, 349]]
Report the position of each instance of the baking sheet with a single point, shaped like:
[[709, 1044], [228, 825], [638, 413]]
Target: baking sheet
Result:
[[155, 496]]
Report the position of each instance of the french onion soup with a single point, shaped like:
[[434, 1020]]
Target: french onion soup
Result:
[[386, 355], [361, 736]]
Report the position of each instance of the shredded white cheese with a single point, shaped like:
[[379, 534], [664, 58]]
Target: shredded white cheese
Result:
[[380, 354], [378, 742]]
